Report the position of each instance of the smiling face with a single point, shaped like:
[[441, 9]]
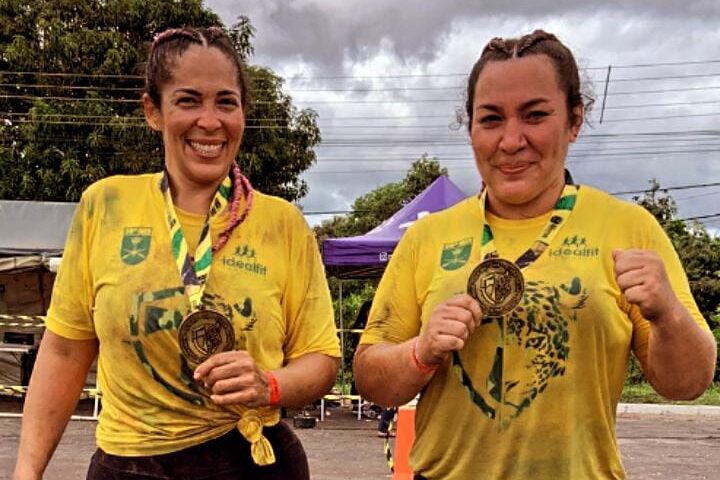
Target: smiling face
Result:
[[520, 135], [200, 117]]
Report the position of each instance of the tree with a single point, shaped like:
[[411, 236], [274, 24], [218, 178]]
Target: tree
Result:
[[698, 251], [373, 208], [71, 77], [279, 140]]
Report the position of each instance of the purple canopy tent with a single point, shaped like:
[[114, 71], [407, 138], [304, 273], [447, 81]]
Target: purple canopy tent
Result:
[[366, 256]]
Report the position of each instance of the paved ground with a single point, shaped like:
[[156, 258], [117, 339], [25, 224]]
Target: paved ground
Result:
[[655, 443]]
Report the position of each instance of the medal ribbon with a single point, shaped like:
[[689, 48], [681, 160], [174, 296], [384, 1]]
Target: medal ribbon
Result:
[[194, 272], [561, 211]]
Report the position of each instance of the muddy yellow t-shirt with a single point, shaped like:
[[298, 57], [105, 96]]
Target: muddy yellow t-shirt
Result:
[[118, 282], [541, 384]]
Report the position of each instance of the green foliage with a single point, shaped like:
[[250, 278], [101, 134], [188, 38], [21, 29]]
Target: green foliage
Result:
[[355, 293], [89, 122], [715, 320], [371, 209], [635, 375], [644, 393], [662, 207], [272, 158], [699, 253]]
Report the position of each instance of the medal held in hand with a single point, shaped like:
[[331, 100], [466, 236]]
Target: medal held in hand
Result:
[[204, 333], [498, 286]]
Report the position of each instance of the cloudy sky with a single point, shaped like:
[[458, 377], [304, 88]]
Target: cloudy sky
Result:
[[386, 79]]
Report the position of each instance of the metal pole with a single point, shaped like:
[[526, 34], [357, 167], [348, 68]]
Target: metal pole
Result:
[[342, 344], [607, 83]]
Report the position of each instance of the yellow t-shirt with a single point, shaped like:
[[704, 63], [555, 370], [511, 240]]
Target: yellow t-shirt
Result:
[[118, 282], [546, 378]]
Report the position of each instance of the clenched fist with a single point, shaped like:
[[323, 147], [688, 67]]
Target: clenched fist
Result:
[[641, 276]]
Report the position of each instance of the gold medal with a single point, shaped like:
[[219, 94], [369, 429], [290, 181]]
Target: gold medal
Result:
[[204, 333], [498, 286]]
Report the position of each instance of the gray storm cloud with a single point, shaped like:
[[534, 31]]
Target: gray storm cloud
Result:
[[317, 39], [327, 32]]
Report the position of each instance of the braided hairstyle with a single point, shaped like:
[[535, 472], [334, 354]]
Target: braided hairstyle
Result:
[[538, 42], [172, 43]]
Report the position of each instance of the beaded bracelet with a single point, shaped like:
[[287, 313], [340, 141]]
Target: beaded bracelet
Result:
[[423, 367]]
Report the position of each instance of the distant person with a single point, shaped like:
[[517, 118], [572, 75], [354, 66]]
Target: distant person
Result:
[[354, 337], [206, 299], [362, 316], [384, 422], [514, 312]]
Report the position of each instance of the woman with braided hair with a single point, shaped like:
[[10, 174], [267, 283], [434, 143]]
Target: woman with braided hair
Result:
[[514, 312], [205, 299]]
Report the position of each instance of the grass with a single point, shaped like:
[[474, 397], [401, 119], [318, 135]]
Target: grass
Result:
[[644, 393]]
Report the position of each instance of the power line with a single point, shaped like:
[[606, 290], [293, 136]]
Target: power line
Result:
[[349, 88], [668, 104], [450, 127], [419, 75], [640, 119], [699, 195], [701, 217], [680, 187], [142, 125], [458, 99], [72, 87], [571, 161], [663, 64], [341, 212], [665, 90], [665, 77], [321, 119], [64, 74]]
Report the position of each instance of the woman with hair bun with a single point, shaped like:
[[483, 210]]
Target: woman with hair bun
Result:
[[205, 299], [513, 313]]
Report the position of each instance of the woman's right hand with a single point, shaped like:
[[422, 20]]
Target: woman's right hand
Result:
[[451, 323]]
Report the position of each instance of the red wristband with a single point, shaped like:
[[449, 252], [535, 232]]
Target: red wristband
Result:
[[423, 367], [274, 389]]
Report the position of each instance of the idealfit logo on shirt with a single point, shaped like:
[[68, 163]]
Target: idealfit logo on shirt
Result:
[[244, 259], [574, 247]]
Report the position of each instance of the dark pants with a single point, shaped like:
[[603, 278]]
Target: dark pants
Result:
[[225, 458], [385, 419]]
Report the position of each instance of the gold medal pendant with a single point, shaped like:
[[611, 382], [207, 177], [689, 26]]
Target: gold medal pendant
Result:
[[204, 333], [498, 286]]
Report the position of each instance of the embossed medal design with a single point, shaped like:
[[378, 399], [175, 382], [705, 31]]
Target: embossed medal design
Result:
[[498, 286], [204, 333]]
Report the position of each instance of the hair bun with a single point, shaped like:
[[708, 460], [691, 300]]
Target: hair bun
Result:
[[534, 38]]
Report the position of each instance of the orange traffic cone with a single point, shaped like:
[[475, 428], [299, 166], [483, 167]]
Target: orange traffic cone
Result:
[[403, 442]]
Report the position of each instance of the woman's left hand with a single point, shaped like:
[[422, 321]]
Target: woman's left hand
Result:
[[234, 378], [641, 276]]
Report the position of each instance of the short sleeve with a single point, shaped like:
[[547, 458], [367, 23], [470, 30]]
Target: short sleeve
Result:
[[395, 315], [307, 305], [658, 241], [70, 312]]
